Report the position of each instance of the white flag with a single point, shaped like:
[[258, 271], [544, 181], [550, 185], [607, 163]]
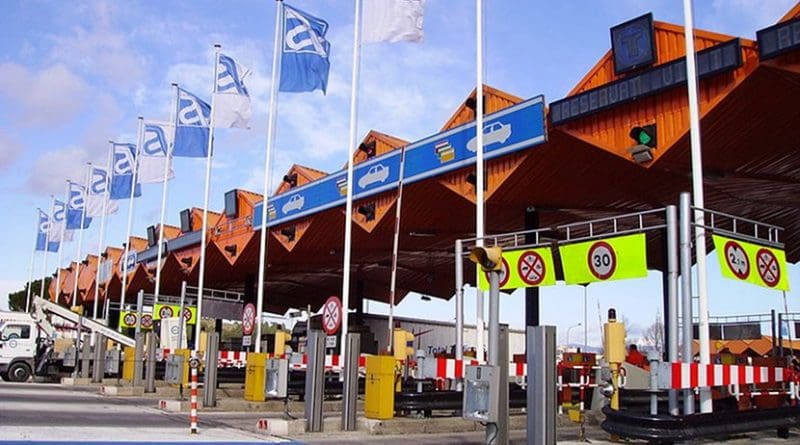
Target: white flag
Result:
[[156, 142], [392, 21], [232, 100], [59, 223], [98, 193]]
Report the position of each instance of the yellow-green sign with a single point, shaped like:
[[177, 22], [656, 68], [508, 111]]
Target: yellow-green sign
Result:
[[608, 259], [523, 268], [127, 319], [753, 263], [171, 310]]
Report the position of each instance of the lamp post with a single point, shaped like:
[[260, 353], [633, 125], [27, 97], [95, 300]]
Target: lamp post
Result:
[[569, 329]]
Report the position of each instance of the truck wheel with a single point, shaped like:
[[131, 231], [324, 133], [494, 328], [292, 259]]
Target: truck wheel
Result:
[[19, 372]]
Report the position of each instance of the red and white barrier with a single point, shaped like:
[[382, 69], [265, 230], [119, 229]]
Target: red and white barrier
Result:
[[333, 362], [695, 375]]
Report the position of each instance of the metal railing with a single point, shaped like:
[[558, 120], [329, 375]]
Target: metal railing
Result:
[[743, 228]]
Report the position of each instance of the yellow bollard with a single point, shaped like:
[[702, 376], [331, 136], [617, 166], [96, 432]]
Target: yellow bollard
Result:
[[255, 376], [380, 387], [128, 362], [614, 342]]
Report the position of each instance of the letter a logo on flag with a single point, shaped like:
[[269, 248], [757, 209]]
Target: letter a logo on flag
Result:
[[191, 136], [304, 59], [153, 156]]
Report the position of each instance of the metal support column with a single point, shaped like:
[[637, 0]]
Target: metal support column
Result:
[[150, 370], [459, 259], [137, 363], [98, 365], [686, 291], [350, 391], [86, 355], [671, 313], [531, 293], [774, 335], [497, 433], [780, 334], [541, 391], [210, 376], [315, 380]]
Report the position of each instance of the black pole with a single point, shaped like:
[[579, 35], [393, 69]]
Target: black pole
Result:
[[774, 337], [665, 298], [531, 293]]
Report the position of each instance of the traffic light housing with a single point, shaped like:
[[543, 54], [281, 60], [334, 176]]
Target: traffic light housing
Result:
[[645, 135], [403, 345], [489, 258]]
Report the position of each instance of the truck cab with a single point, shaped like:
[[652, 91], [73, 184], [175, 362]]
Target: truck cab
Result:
[[18, 346]]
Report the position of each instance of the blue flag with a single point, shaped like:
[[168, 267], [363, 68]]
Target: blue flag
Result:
[[191, 136], [42, 232], [122, 172], [304, 52], [76, 207]]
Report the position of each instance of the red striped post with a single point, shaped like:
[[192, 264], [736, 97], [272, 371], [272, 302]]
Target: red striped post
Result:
[[193, 414]]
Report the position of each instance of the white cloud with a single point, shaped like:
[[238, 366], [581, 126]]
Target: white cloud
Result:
[[10, 149], [50, 171], [52, 96], [103, 50]]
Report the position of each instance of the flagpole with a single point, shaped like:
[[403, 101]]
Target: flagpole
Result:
[[33, 257], [203, 234], [80, 243], [396, 247], [61, 247], [273, 117], [479, 167], [167, 164], [44, 270], [103, 232], [706, 405], [348, 220], [134, 171]]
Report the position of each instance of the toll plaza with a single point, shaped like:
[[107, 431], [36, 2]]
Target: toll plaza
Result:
[[586, 188]]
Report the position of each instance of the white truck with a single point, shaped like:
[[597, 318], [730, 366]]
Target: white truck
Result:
[[23, 342], [26, 340]]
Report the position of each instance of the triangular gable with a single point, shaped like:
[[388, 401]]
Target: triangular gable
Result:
[[669, 46], [197, 218], [495, 100], [793, 13], [304, 176], [384, 143], [137, 244], [171, 232]]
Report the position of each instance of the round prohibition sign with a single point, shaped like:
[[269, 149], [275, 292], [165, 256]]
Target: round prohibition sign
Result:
[[504, 274], [736, 259], [129, 319], [165, 312], [147, 321], [602, 260], [248, 318], [332, 315], [531, 268], [768, 268]]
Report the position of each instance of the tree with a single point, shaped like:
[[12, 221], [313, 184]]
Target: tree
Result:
[[16, 300], [654, 335]]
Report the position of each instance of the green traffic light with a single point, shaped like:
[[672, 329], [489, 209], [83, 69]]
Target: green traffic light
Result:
[[644, 138]]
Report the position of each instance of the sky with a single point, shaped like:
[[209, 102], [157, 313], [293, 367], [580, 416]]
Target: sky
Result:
[[74, 75]]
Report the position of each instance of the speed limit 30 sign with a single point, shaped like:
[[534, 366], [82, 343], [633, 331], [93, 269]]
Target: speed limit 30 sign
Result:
[[602, 260]]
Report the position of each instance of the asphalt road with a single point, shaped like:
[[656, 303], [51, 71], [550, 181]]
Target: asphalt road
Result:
[[48, 412], [45, 413]]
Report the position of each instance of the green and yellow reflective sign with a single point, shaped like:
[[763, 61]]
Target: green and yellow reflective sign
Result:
[[523, 268], [753, 263], [608, 259], [171, 310], [127, 319]]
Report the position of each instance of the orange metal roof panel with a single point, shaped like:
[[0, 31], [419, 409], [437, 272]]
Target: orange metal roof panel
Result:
[[792, 13], [495, 100]]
